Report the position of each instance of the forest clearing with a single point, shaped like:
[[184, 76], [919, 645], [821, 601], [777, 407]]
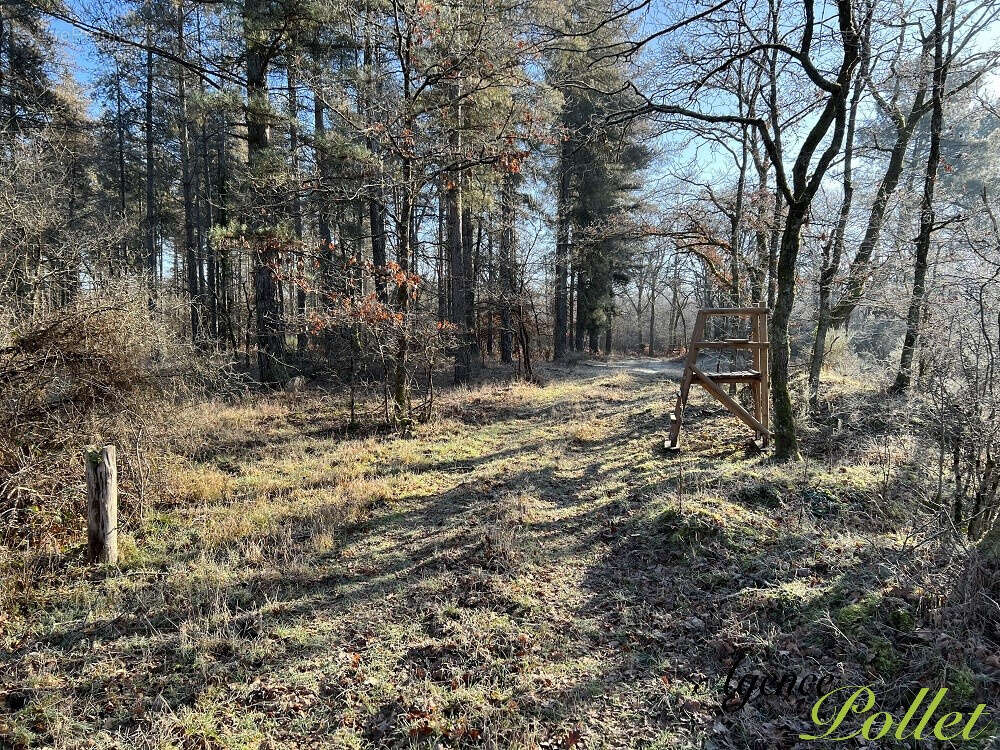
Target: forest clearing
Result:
[[526, 570]]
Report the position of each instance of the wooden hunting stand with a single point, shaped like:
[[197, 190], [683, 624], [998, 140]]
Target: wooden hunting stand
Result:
[[757, 344]]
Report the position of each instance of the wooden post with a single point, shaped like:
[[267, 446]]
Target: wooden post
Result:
[[765, 379], [102, 504], [757, 387]]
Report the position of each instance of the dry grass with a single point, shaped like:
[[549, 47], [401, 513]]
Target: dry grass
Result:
[[527, 570]]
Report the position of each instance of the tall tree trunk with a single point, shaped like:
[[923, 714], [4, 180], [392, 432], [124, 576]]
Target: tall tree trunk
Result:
[[442, 276], [923, 243], [469, 286], [560, 331], [571, 307], [401, 385], [508, 291], [460, 250], [376, 201], [801, 193], [456, 269], [772, 251], [404, 232], [490, 292], [211, 245], [609, 326], [652, 323], [759, 273], [834, 249], [150, 174], [120, 129], [857, 275], [786, 444], [266, 250], [187, 181], [773, 108], [302, 340], [227, 293], [322, 206], [376, 219]]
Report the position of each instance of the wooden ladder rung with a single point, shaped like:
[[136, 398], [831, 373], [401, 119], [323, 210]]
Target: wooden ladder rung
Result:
[[734, 376], [731, 344]]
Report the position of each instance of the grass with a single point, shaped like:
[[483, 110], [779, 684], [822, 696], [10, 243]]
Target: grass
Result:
[[527, 570]]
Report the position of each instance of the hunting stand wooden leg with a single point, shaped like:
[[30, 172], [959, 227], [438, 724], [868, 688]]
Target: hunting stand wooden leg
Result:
[[765, 377], [682, 394]]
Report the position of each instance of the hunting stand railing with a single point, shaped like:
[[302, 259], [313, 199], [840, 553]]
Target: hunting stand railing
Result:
[[757, 378]]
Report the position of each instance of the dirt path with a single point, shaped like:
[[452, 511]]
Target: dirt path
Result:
[[639, 366], [518, 599], [495, 610]]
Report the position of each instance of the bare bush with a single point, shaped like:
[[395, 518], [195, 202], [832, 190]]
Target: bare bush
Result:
[[103, 369]]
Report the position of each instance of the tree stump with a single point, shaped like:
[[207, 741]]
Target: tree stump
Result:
[[102, 504]]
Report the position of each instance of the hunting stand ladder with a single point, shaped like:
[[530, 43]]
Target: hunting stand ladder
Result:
[[757, 378]]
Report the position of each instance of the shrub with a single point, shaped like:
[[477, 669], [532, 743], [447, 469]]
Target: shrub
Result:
[[101, 370]]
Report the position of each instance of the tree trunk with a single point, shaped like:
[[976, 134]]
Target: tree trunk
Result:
[[404, 229], [772, 251], [652, 322], [923, 243], [302, 340], [266, 250], [801, 193], [490, 291], [227, 293], [212, 269], [187, 182], [376, 201], [857, 275], [322, 207], [469, 285], [211, 246], [150, 175], [759, 274], [508, 290], [785, 444], [560, 331], [456, 272], [736, 227], [444, 310], [582, 318], [120, 129], [834, 249], [400, 382]]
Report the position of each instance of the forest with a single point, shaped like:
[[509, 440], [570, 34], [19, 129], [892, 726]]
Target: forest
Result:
[[340, 342]]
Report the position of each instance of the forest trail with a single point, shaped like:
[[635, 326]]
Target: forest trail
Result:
[[640, 366], [527, 570]]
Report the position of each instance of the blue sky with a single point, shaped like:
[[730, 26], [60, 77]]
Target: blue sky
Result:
[[79, 56]]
